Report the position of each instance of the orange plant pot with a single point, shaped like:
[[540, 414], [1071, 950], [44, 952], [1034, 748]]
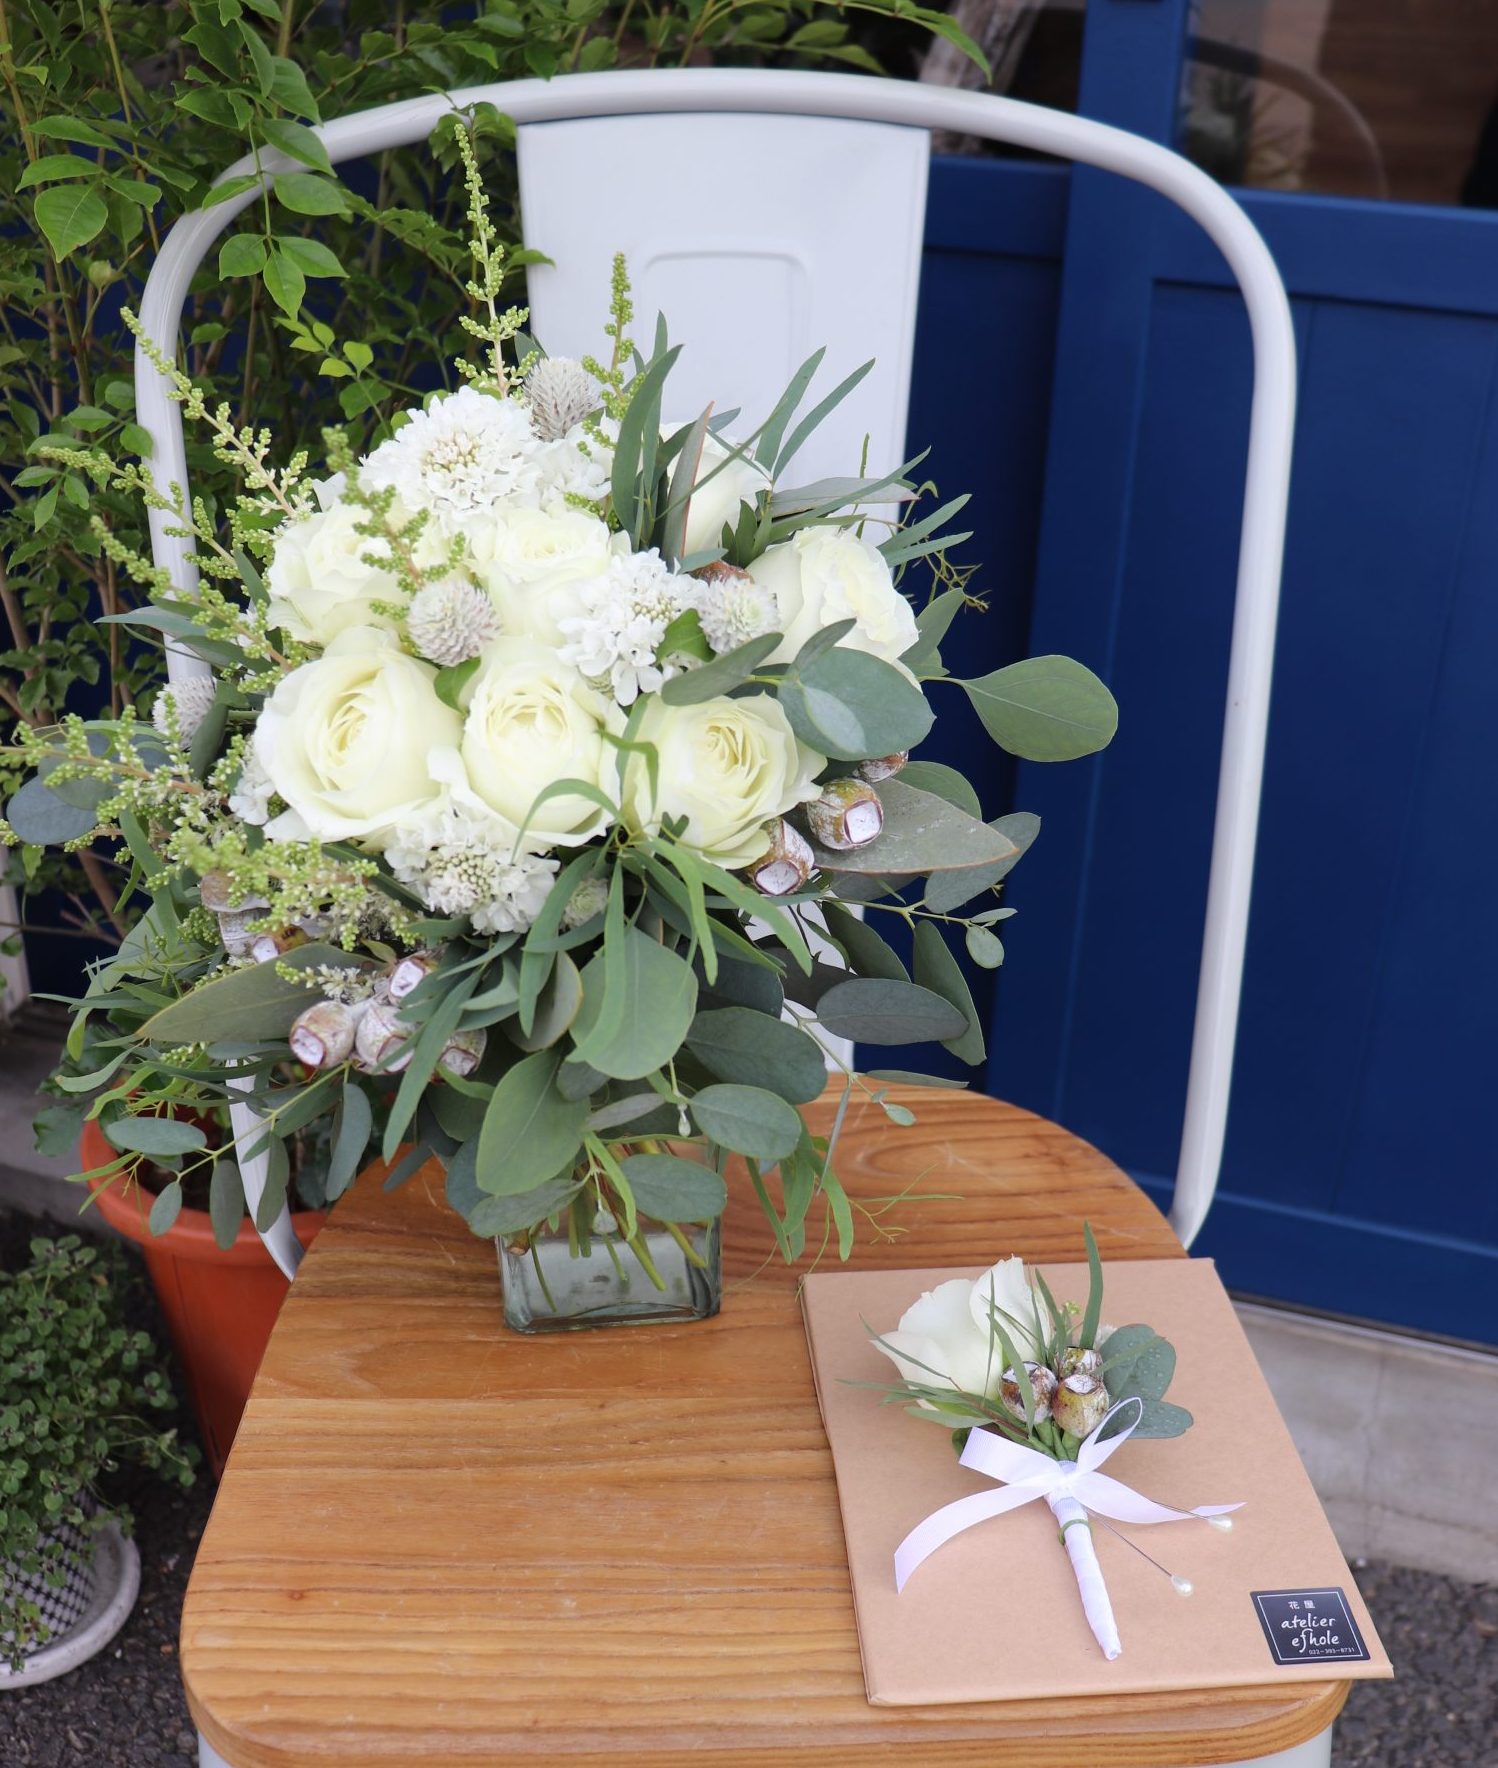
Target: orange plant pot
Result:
[[220, 1305]]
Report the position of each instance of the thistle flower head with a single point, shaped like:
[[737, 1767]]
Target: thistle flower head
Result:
[[450, 621], [181, 708], [559, 393]]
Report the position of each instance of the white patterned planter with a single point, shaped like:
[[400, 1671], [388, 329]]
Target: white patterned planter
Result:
[[84, 1615]]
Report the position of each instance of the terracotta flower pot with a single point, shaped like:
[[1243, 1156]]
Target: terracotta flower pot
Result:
[[220, 1305]]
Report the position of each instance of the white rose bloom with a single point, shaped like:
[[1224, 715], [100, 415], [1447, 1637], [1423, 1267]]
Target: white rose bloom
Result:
[[719, 500], [823, 575], [345, 740], [318, 581], [532, 720], [728, 767], [465, 455], [945, 1339], [534, 564]]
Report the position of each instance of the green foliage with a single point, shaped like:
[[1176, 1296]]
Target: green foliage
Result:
[[78, 1391]]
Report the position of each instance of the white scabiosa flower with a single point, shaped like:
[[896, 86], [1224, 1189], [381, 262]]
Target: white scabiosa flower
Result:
[[732, 607], [588, 900], [465, 455], [624, 617], [253, 791], [450, 621], [559, 393], [185, 703], [576, 466]]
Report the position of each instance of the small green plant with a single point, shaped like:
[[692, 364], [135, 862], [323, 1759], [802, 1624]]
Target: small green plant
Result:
[[80, 1394]]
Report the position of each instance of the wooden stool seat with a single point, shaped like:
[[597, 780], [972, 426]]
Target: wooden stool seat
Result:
[[440, 1543]]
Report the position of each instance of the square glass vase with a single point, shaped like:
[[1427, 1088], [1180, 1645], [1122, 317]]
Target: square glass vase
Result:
[[552, 1284]]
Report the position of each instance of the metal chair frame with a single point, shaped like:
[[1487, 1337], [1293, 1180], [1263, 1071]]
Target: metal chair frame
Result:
[[771, 93]]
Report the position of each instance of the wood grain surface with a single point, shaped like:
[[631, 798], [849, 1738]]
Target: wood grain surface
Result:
[[441, 1543]]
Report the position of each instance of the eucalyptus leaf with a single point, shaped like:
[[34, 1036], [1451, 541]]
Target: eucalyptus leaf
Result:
[[722, 675], [225, 1203], [41, 818], [739, 1044], [1137, 1363], [1045, 709], [943, 782], [850, 705], [155, 1135], [922, 834], [938, 970], [252, 1003], [668, 1188], [749, 1120], [530, 1131], [949, 890], [497, 1217], [351, 1131], [875, 1011], [165, 1208], [866, 951], [659, 997]]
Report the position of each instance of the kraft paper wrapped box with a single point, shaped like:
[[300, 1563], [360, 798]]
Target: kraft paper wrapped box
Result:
[[995, 1614]]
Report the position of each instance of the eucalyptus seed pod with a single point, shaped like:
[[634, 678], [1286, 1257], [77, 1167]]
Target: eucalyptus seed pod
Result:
[[463, 1052], [882, 767], [787, 864], [410, 972], [1080, 1404], [265, 948], [1042, 1392], [847, 815], [216, 892], [322, 1035], [383, 1040], [234, 930], [1075, 1361]]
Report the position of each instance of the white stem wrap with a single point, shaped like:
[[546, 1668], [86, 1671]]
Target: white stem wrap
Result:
[[1071, 1488], [1076, 1533]]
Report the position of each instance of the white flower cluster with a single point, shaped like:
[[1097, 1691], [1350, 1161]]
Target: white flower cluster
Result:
[[471, 800]]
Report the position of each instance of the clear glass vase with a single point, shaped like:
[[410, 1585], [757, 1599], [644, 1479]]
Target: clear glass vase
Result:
[[557, 1281]]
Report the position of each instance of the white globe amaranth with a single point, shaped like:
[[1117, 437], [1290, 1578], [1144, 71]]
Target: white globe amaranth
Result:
[[185, 703], [724, 482], [467, 454], [732, 607], [560, 393], [318, 581], [821, 576], [345, 740], [450, 621], [534, 563], [726, 766], [532, 722], [614, 638]]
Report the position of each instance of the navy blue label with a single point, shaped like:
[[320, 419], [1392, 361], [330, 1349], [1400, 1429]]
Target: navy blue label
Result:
[[1309, 1626]]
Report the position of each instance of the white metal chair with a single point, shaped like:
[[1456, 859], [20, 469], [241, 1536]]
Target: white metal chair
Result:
[[805, 271]]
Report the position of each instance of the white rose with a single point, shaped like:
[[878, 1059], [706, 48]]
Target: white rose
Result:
[[345, 740], [945, 1339], [318, 581], [718, 501], [534, 564], [532, 720], [728, 767], [823, 575]]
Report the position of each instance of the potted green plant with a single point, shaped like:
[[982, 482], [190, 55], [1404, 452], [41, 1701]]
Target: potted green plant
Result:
[[81, 1393]]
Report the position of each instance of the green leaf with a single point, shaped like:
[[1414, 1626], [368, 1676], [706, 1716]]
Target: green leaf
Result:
[[155, 1135], [165, 1208], [284, 282], [922, 834], [738, 1044], [1137, 1363], [938, 970], [451, 681], [1161, 1419], [557, 1006], [225, 1203], [875, 1011], [984, 947], [297, 141], [907, 1077], [722, 675], [52, 166], [1094, 1310], [70, 216], [670, 1189], [243, 254], [42, 818], [949, 890], [749, 1120], [531, 1133], [244, 1005], [310, 256], [351, 1130], [942, 782], [1045, 709], [651, 998], [850, 705], [497, 1217], [305, 193], [866, 951]]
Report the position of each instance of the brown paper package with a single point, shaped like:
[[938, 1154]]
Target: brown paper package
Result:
[[995, 1613]]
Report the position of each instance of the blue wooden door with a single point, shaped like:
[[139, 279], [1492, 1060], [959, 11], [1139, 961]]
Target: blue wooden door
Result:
[[1360, 1174]]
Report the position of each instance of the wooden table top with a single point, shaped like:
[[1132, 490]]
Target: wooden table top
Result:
[[441, 1543]]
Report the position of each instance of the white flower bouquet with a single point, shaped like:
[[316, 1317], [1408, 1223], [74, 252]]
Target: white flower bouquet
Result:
[[552, 755]]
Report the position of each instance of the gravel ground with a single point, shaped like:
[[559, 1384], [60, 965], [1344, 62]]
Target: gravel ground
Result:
[[125, 1708]]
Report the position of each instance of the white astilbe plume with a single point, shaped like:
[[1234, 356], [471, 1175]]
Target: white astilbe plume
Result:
[[187, 703], [733, 608], [467, 454], [450, 621], [625, 615], [560, 393]]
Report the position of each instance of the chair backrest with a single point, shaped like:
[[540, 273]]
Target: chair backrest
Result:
[[754, 107]]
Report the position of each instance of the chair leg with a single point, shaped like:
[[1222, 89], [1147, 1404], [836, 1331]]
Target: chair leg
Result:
[[208, 1756]]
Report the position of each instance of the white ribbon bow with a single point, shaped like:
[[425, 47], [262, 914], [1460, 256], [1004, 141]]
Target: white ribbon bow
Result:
[[1070, 1488]]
